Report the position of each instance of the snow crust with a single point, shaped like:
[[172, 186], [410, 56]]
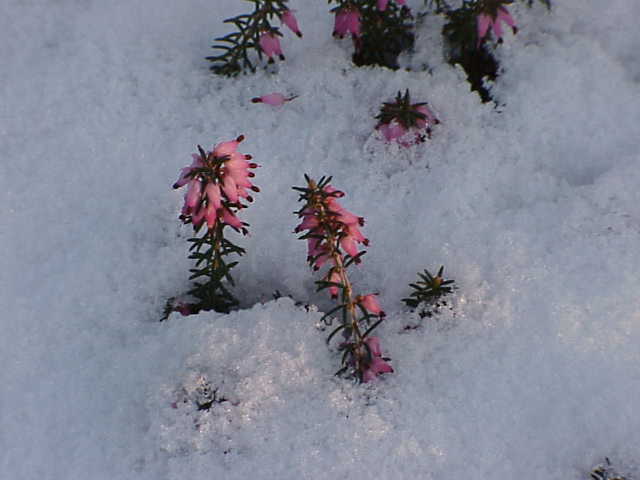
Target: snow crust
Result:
[[533, 207]]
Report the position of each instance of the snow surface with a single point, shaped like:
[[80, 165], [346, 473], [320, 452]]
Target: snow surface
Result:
[[533, 208]]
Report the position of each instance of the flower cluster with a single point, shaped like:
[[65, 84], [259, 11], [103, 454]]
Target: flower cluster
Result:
[[380, 29], [254, 32], [333, 235], [216, 181], [217, 184], [400, 117]]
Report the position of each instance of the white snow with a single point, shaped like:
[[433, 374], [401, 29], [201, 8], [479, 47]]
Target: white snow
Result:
[[533, 208]]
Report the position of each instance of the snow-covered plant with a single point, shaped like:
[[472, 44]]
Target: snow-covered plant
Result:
[[466, 32], [380, 29], [429, 288], [400, 117], [217, 184], [333, 234], [256, 33]]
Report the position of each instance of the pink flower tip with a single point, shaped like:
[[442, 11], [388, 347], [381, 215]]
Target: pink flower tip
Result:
[[370, 303], [289, 19], [270, 45]]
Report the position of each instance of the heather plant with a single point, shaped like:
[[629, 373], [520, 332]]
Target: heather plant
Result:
[[218, 182], [467, 34], [380, 29], [428, 291], [333, 235], [404, 122], [255, 36]]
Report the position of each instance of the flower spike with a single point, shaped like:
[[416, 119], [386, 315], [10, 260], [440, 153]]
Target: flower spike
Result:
[[217, 181], [333, 237]]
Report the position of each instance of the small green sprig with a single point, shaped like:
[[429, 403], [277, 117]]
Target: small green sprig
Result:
[[236, 46], [429, 288], [402, 111]]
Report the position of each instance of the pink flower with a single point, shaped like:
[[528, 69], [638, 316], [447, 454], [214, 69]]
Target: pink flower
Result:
[[230, 219], [486, 21], [224, 149], [185, 173], [210, 215], [198, 217], [429, 120], [392, 130], [376, 364], [289, 19], [194, 194], [212, 191], [275, 99], [370, 303], [347, 21], [270, 45], [184, 309]]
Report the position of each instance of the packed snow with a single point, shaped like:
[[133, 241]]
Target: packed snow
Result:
[[532, 206]]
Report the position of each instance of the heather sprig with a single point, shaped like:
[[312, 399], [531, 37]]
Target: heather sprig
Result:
[[401, 116], [333, 234], [380, 29], [255, 32], [465, 34], [217, 184], [429, 288]]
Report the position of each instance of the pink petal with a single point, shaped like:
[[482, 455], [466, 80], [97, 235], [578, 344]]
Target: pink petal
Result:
[[497, 29], [230, 219], [484, 21], [194, 193], [230, 188], [227, 148], [382, 5], [370, 303], [340, 26], [348, 244], [275, 99], [289, 19], [353, 23], [374, 346], [211, 216], [378, 365], [505, 16], [212, 191]]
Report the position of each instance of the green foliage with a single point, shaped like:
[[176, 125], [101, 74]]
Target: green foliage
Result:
[[401, 110], [429, 289], [212, 272], [236, 56]]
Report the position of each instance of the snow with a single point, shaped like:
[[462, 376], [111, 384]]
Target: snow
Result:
[[532, 207]]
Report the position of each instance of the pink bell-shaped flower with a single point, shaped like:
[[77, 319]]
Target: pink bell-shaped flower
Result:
[[270, 45], [485, 22], [289, 19]]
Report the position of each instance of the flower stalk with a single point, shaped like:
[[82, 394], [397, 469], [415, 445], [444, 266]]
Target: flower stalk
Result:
[[255, 33], [333, 235], [217, 183]]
